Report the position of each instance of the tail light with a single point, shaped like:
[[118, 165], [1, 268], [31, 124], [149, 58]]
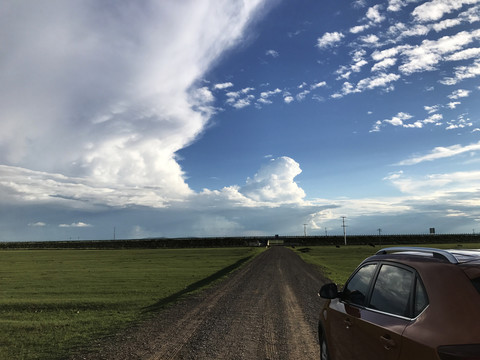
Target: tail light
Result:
[[459, 352]]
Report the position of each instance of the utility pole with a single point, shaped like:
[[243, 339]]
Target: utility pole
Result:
[[305, 230], [344, 230], [114, 233], [379, 231], [326, 234]]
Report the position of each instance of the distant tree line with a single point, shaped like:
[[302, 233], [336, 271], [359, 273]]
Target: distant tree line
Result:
[[209, 242]]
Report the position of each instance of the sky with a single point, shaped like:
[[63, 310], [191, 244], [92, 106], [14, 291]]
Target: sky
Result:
[[238, 118]]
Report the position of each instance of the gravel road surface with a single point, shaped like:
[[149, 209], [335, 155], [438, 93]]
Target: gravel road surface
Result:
[[268, 309]]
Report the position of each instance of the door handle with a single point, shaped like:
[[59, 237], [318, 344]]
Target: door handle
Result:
[[388, 342], [348, 323]]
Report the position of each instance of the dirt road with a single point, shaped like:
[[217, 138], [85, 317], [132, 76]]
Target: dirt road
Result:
[[266, 310]]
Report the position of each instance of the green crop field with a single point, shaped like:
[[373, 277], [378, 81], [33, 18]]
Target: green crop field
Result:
[[52, 302], [338, 263]]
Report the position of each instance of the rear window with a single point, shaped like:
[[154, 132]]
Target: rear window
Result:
[[476, 283], [392, 290]]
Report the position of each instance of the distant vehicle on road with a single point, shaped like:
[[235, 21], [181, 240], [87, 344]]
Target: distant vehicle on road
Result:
[[405, 303]]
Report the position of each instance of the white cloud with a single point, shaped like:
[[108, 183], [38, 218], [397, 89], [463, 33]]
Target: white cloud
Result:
[[274, 182], [462, 73], [460, 123], [301, 96], [443, 187], [373, 14], [432, 109], [318, 85], [267, 94], [265, 101], [75, 225], [359, 28], [464, 54], [381, 80], [441, 153], [288, 99], [384, 64], [446, 24], [398, 119], [397, 5], [78, 117], [243, 102], [459, 93], [370, 39], [436, 9], [401, 120], [223, 85], [426, 56], [453, 104], [417, 30], [389, 53], [329, 39], [272, 53], [240, 99]]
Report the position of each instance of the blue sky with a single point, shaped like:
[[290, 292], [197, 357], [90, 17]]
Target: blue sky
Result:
[[238, 118]]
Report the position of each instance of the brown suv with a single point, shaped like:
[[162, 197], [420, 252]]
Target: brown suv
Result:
[[405, 303]]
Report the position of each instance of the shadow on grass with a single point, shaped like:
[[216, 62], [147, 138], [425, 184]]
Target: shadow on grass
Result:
[[195, 286]]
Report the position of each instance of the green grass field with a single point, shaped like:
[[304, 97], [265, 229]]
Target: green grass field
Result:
[[53, 302], [338, 263]]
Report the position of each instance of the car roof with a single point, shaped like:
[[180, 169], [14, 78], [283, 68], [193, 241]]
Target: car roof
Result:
[[452, 256]]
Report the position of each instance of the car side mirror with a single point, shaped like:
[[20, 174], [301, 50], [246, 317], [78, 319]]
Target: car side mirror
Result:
[[329, 291]]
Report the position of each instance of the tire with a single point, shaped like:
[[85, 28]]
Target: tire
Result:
[[323, 348]]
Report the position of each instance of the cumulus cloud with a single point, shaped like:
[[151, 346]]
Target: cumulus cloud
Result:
[[436, 9], [398, 119], [464, 54], [459, 93], [374, 15], [463, 72], [384, 64], [401, 119], [426, 56], [432, 109], [240, 99], [329, 39], [359, 28], [77, 116], [397, 5], [223, 85], [274, 182]]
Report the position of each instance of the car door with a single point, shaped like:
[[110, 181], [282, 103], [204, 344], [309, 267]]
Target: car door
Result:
[[379, 327], [342, 313]]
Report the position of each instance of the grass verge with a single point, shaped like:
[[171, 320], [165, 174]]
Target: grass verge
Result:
[[338, 263], [53, 301]]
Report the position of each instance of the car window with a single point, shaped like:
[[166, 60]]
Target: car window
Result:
[[356, 289], [476, 283], [421, 299], [392, 289]]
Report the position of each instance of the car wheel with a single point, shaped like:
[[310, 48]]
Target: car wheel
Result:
[[323, 348]]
